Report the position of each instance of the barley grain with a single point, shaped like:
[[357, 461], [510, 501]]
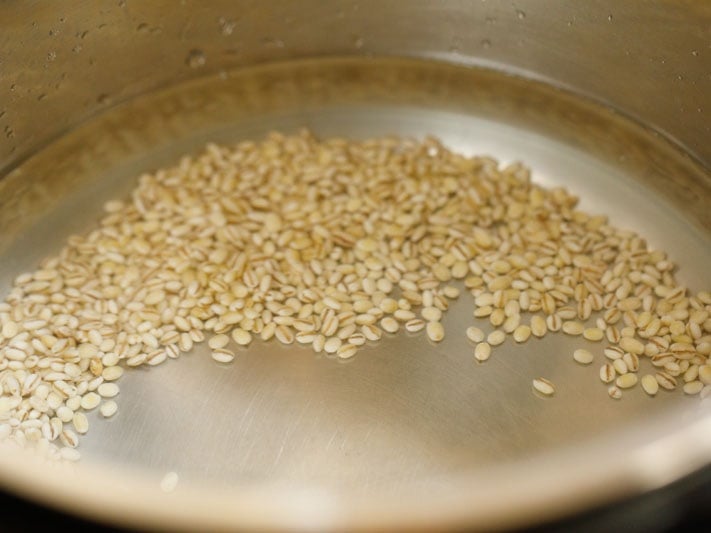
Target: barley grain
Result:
[[649, 384], [572, 327], [435, 331], [665, 380], [582, 356], [626, 381], [108, 408], [241, 336], [90, 400], [108, 390], [482, 351], [414, 325], [496, 338], [593, 334], [538, 326], [346, 351], [544, 386], [522, 333], [332, 345], [81, 423], [222, 355], [607, 373], [215, 247], [705, 374], [614, 392], [693, 387]]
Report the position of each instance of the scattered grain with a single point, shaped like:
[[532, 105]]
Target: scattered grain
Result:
[[614, 392], [544, 386], [583, 356], [482, 351], [213, 247]]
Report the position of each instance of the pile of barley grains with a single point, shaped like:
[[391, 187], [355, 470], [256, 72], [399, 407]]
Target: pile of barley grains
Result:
[[333, 244]]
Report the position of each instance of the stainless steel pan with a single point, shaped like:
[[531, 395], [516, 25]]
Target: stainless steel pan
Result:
[[610, 99]]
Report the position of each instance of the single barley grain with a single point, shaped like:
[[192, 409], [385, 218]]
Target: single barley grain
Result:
[[583, 356], [108, 390], [626, 381], [614, 392], [593, 334], [482, 351], [522, 333], [693, 387], [346, 351], [544, 386], [414, 325], [496, 337], [222, 355], [241, 336], [607, 373], [649, 384], [435, 331]]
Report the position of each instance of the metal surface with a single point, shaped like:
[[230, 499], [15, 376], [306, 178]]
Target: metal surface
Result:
[[60, 64], [407, 433], [405, 418]]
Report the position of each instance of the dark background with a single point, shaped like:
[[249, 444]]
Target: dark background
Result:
[[682, 507]]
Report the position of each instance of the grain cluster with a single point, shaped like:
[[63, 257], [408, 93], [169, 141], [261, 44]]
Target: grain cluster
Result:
[[333, 244]]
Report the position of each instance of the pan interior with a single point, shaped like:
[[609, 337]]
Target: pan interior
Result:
[[404, 411]]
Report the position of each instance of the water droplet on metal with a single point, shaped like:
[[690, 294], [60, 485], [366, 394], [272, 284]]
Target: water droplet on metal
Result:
[[13, 87], [196, 58], [227, 26], [486, 43], [695, 53], [520, 14], [680, 77], [609, 18]]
